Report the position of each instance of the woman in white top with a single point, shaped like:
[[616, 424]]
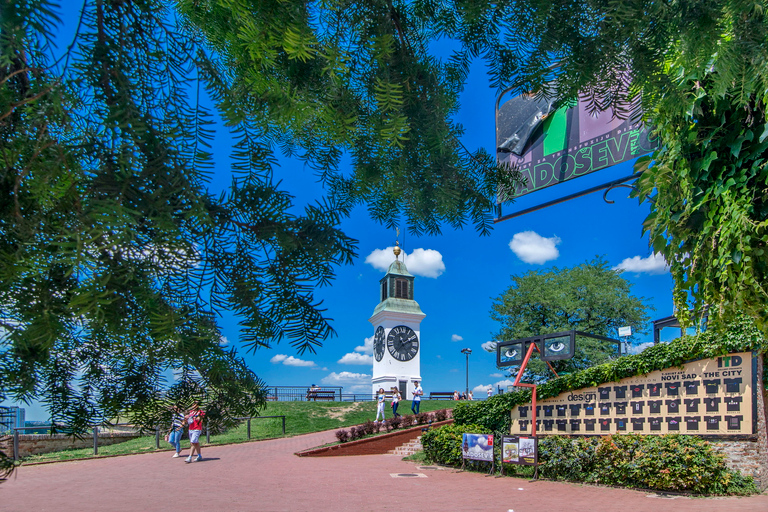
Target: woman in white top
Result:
[[395, 401], [380, 408], [177, 428]]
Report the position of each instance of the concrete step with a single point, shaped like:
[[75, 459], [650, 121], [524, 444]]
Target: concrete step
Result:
[[408, 448]]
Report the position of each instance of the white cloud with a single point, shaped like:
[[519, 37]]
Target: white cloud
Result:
[[223, 341], [356, 358], [531, 247], [639, 348], [290, 360], [347, 379], [503, 384], [489, 346], [366, 347], [422, 262], [653, 264], [456, 337]]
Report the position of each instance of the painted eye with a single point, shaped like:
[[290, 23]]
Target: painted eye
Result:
[[511, 353], [556, 347]]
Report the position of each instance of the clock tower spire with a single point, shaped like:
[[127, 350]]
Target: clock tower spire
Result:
[[397, 337]]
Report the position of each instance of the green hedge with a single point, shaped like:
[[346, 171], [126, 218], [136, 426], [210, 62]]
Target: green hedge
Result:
[[741, 336], [671, 462]]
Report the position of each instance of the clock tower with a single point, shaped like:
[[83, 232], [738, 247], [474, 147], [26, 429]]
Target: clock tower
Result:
[[397, 336]]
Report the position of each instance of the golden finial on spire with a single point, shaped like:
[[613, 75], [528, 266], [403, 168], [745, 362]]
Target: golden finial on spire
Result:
[[396, 250]]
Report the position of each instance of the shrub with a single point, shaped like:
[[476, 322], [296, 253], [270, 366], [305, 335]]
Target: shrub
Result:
[[376, 426], [671, 462], [342, 436], [356, 433], [422, 418], [441, 415], [388, 424], [368, 427], [443, 444], [395, 422], [406, 421]]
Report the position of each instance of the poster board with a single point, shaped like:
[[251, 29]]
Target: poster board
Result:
[[519, 450], [477, 447], [707, 397]]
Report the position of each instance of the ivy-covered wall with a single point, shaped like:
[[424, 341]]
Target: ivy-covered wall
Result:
[[749, 456]]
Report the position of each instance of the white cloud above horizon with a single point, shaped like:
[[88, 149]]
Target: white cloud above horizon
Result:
[[533, 248], [362, 355], [456, 337], [489, 346], [653, 265], [354, 381], [356, 358], [290, 361], [421, 262]]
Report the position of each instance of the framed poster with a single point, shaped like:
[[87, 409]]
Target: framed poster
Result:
[[477, 447], [519, 450]]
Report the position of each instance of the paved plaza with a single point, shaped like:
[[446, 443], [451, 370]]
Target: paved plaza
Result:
[[266, 476]]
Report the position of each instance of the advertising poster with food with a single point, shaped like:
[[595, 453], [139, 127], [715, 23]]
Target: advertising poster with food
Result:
[[708, 397]]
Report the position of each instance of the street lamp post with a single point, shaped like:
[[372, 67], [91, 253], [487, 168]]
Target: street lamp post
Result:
[[466, 352]]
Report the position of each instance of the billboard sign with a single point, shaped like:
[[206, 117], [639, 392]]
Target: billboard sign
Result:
[[477, 447], [550, 145], [708, 397]]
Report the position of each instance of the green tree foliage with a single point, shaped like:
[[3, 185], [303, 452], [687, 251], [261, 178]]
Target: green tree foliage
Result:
[[590, 297], [114, 258]]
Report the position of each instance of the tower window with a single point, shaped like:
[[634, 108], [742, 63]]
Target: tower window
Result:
[[401, 289], [383, 291]]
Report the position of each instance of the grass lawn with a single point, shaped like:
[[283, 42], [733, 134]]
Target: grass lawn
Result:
[[300, 418]]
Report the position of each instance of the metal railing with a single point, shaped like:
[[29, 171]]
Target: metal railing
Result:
[[157, 432]]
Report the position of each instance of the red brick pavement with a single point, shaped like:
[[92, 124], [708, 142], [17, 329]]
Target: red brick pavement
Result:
[[266, 476]]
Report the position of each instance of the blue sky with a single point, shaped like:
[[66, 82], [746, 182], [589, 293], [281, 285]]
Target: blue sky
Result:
[[457, 274]]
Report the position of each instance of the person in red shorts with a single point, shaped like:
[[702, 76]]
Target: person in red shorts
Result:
[[195, 421]]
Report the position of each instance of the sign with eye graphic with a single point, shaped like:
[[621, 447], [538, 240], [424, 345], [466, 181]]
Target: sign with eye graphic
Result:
[[551, 347], [712, 397]]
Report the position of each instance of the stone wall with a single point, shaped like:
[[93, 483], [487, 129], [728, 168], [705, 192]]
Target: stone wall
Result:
[[34, 444], [750, 457], [371, 445]]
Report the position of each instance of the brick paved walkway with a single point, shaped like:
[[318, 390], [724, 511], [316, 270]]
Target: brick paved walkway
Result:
[[266, 476]]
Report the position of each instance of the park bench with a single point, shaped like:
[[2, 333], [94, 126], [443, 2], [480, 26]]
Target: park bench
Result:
[[321, 395], [441, 395]]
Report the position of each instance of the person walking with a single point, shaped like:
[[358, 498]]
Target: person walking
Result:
[[177, 429], [417, 394], [490, 391], [380, 406], [195, 420], [395, 401]]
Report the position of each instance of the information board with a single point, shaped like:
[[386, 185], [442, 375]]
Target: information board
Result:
[[705, 397]]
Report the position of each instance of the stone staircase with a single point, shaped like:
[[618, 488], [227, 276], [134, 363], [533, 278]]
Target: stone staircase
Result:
[[408, 448]]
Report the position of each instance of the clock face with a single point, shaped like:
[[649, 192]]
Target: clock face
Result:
[[378, 343], [403, 343]]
